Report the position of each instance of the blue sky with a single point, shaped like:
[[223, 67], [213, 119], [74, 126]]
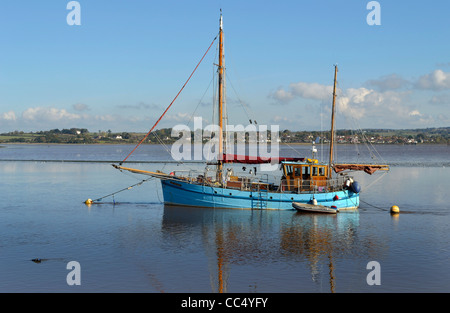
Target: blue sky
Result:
[[127, 60]]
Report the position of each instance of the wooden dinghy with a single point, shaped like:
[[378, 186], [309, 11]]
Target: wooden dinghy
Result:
[[314, 208]]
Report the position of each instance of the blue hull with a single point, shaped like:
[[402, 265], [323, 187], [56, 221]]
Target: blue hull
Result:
[[187, 194]]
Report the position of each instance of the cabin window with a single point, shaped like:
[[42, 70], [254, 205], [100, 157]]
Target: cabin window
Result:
[[305, 172], [321, 171], [288, 169], [318, 171], [298, 171]]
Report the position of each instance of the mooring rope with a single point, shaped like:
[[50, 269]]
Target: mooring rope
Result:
[[116, 192], [376, 207]]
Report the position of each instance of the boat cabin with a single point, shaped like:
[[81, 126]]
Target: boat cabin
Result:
[[304, 176]]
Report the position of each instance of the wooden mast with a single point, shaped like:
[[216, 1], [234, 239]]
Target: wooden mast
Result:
[[333, 109], [221, 100]]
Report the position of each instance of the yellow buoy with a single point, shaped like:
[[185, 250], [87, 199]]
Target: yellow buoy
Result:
[[395, 209], [88, 201]]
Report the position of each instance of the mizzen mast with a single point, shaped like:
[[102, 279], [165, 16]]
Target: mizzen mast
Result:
[[333, 109], [368, 168]]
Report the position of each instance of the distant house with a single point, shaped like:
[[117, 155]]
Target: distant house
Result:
[[118, 137]]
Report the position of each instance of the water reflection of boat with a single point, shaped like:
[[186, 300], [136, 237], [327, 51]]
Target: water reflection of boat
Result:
[[232, 238], [301, 179]]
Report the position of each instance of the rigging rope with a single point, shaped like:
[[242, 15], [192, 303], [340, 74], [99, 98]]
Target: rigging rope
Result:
[[171, 102]]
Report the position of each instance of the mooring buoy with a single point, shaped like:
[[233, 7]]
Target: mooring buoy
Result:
[[395, 209]]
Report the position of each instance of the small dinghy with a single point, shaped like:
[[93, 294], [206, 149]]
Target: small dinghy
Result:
[[314, 208]]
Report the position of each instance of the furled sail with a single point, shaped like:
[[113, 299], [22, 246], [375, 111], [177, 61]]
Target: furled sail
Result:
[[367, 168], [234, 158]]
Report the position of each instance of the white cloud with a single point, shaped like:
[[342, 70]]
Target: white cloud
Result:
[[415, 113], [80, 107], [421, 119], [304, 90], [388, 82], [440, 99], [359, 102], [368, 106], [105, 118], [43, 114], [352, 102], [436, 80], [312, 90], [8, 116], [282, 95], [44, 118], [178, 117]]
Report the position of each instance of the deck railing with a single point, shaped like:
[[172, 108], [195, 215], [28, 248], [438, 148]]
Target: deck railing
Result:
[[261, 182], [307, 186]]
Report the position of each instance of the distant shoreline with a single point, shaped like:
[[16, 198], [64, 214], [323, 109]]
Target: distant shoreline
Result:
[[2, 144], [438, 135]]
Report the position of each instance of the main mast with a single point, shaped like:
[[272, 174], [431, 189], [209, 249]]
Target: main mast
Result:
[[221, 100], [333, 109]]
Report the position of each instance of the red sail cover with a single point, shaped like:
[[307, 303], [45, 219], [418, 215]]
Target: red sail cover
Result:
[[234, 158]]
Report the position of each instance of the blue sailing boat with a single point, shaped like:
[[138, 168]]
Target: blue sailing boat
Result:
[[303, 180]]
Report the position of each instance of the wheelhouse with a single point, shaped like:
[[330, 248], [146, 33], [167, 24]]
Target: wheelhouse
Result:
[[304, 176]]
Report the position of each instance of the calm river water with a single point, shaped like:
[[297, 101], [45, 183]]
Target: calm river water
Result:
[[133, 243]]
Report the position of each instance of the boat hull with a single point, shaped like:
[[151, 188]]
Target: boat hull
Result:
[[312, 208], [188, 194]]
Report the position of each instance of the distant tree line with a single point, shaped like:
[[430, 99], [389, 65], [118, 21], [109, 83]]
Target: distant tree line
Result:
[[71, 131], [377, 136]]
